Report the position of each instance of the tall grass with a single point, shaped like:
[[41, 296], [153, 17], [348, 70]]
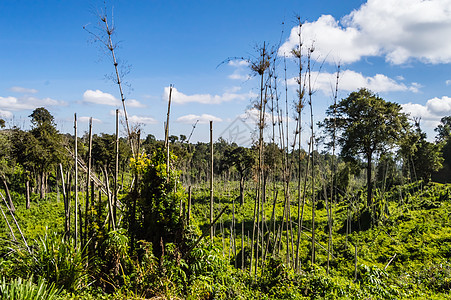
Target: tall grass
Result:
[[54, 259], [26, 289]]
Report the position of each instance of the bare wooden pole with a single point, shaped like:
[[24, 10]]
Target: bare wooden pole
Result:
[[189, 205], [166, 132], [116, 170], [15, 222], [166, 129], [8, 195], [76, 180], [312, 141], [242, 244], [88, 179], [111, 47], [28, 193], [9, 226], [211, 182]]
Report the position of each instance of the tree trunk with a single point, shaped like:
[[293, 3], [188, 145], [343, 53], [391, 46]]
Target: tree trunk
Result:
[[42, 186], [369, 182], [28, 194], [242, 190]]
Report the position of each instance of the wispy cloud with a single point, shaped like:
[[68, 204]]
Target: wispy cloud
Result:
[[180, 98], [27, 102], [203, 119], [241, 71], [142, 120], [22, 90], [397, 30]]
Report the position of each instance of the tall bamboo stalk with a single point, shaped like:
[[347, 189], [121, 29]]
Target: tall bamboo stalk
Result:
[[76, 180], [312, 141], [211, 182], [88, 179], [301, 89], [166, 132], [116, 169]]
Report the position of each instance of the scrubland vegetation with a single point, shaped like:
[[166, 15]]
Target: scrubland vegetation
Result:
[[363, 216]]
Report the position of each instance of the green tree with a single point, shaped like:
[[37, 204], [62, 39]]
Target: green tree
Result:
[[443, 129], [50, 150], [422, 157], [366, 124], [243, 160]]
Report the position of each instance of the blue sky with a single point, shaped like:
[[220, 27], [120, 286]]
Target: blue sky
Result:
[[400, 50]]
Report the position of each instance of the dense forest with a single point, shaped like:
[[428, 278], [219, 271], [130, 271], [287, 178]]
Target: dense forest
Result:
[[362, 212]]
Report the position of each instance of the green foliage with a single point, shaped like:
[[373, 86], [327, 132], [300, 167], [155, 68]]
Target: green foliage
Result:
[[19, 288], [158, 205], [56, 260]]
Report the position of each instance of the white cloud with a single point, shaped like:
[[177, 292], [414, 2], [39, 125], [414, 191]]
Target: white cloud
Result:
[[433, 110], [448, 82], [203, 119], [22, 90], [241, 71], [6, 114], [238, 63], [102, 98], [86, 120], [398, 30], [237, 75], [233, 89], [27, 102], [180, 98], [134, 103], [99, 97], [142, 120], [350, 81]]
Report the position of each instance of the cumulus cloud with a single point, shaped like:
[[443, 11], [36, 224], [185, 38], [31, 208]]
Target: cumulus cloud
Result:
[[102, 98], [350, 81], [203, 119], [433, 110], [22, 90], [27, 102], [180, 98], [398, 30], [448, 82], [99, 97]]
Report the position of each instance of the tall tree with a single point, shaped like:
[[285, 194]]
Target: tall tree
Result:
[[366, 124], [243, 160], [50, 144]]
